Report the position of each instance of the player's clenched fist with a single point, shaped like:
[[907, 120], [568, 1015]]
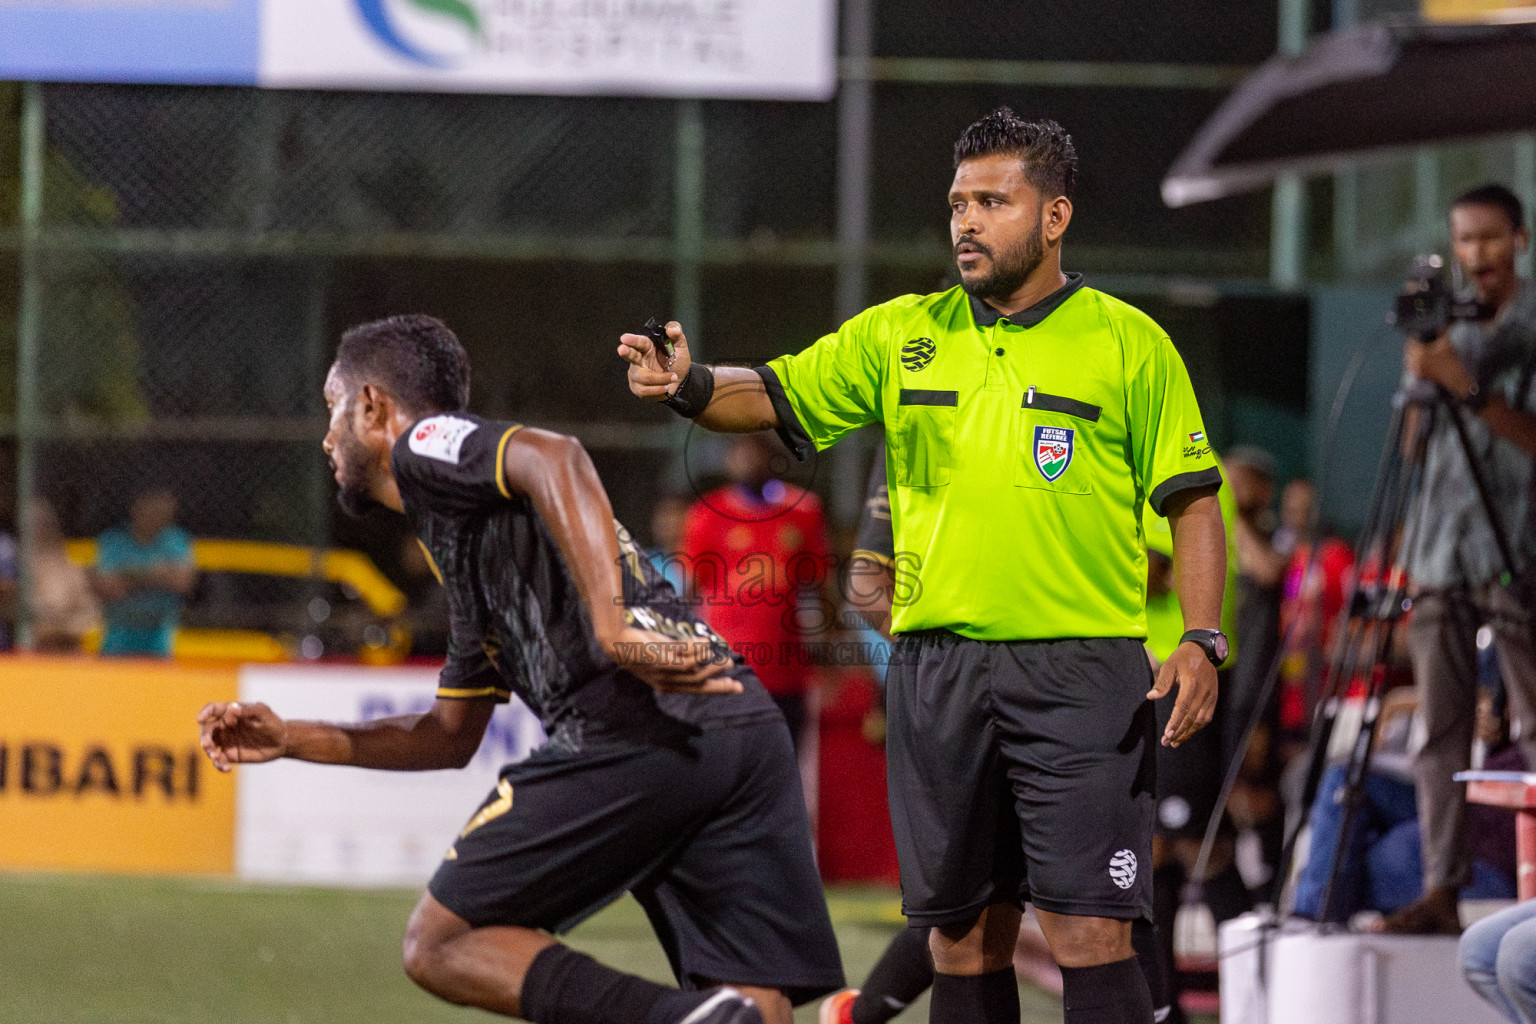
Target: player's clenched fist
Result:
[[234, 733]]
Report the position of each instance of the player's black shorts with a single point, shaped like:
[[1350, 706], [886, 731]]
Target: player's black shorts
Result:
[[1021, 771], [707, 829]]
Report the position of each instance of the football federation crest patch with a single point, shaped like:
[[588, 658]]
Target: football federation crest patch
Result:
[[1053, 451], [917, 353]]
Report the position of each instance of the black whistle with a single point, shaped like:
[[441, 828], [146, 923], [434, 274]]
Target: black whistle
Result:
[[656, 330]]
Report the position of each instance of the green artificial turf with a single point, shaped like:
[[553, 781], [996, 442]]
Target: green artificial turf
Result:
[[89, 949]]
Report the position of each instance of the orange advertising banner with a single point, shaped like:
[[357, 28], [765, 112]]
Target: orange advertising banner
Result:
[[100, 767]]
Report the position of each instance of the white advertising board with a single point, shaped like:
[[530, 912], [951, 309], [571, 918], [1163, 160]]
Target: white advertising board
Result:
[[781, 49], [731, 49], [322, 824]]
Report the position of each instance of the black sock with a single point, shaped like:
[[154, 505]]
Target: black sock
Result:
[[566, 987], [1167, 885], [975, 998], [1108, 994], [1149, 955], [901, 974]]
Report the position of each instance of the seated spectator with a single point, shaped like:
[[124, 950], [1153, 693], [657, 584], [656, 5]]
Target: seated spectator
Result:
[[1381, 868], [1498, 959], [144, 572], [64, 606]]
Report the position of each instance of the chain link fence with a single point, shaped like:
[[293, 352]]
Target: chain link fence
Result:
[[197, 251]]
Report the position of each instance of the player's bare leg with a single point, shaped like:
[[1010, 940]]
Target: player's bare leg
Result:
[[493, 968], [482, 967]]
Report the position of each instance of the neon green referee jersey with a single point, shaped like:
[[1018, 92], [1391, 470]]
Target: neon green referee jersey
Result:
[[1020, 452]]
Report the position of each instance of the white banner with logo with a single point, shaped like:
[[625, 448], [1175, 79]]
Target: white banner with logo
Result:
[[322, 824], [743, 49], [781, 49]]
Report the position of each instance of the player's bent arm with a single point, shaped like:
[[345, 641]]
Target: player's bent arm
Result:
[[445, 736], [557, 475]]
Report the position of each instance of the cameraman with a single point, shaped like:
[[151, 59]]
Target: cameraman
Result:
[[1484, 367]]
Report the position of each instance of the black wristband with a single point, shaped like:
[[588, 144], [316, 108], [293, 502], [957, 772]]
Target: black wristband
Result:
[[693, 392]]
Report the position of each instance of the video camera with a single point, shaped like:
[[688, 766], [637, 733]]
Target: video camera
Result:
[[1426, 306]]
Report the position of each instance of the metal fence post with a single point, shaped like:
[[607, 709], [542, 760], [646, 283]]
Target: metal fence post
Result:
[[1288, 217], [688, 221], [28, 345], [855, 130]]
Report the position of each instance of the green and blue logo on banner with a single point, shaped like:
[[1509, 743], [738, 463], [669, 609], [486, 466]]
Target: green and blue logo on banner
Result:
[[378, 17]]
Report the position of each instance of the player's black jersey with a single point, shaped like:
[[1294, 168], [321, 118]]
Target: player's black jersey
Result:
[[517, 623]]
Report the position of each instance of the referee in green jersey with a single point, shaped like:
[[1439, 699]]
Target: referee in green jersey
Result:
[[1029, 420]]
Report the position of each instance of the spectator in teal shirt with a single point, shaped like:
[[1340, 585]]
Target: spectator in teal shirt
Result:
[[144, 573]]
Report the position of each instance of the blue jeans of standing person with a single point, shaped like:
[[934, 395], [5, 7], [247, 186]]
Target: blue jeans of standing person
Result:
[[1498, 958]]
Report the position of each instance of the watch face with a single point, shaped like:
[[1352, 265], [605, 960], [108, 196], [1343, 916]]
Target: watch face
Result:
[[1222, 647]]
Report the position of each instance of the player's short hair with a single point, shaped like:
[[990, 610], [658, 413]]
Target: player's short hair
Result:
[[416, 358], [1498, 197], [1043, 147]]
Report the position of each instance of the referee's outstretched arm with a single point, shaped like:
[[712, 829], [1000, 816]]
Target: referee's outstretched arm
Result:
[[725, 399], [1200, 560]]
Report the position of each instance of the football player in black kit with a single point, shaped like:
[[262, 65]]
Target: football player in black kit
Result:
[[667, 773]]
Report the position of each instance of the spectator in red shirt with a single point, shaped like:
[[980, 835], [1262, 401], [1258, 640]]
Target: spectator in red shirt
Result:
[[757, 557], [1313, 591]]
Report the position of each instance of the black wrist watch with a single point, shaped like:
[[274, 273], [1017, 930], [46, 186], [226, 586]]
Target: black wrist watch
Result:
[[1212, 641]]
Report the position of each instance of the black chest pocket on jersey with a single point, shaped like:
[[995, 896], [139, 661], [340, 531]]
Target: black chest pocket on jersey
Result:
[[924, 437], [1053, 434]]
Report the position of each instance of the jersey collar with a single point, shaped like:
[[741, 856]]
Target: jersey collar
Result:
[[986, 316]]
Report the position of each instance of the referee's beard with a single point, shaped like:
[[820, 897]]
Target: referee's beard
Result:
[[1010, 268]]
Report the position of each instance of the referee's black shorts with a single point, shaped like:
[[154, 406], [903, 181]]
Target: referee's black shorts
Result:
[[1021, 771], [708, 830]]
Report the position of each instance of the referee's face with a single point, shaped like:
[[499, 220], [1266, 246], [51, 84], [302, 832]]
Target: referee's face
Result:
[[995, 226]]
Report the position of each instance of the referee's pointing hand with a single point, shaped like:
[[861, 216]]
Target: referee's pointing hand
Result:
[[1192, 671], [649, 376]]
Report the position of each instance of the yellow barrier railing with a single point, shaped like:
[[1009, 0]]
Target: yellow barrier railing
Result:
[[338, 565]]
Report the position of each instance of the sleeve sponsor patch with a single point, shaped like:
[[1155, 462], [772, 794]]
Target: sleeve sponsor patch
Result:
[[441, 437]]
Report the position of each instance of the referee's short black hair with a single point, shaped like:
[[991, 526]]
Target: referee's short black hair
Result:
[[415, 357], [1498, 197], [1043, 147]]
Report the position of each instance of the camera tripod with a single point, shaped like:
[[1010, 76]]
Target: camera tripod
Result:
[[1374, 610]]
